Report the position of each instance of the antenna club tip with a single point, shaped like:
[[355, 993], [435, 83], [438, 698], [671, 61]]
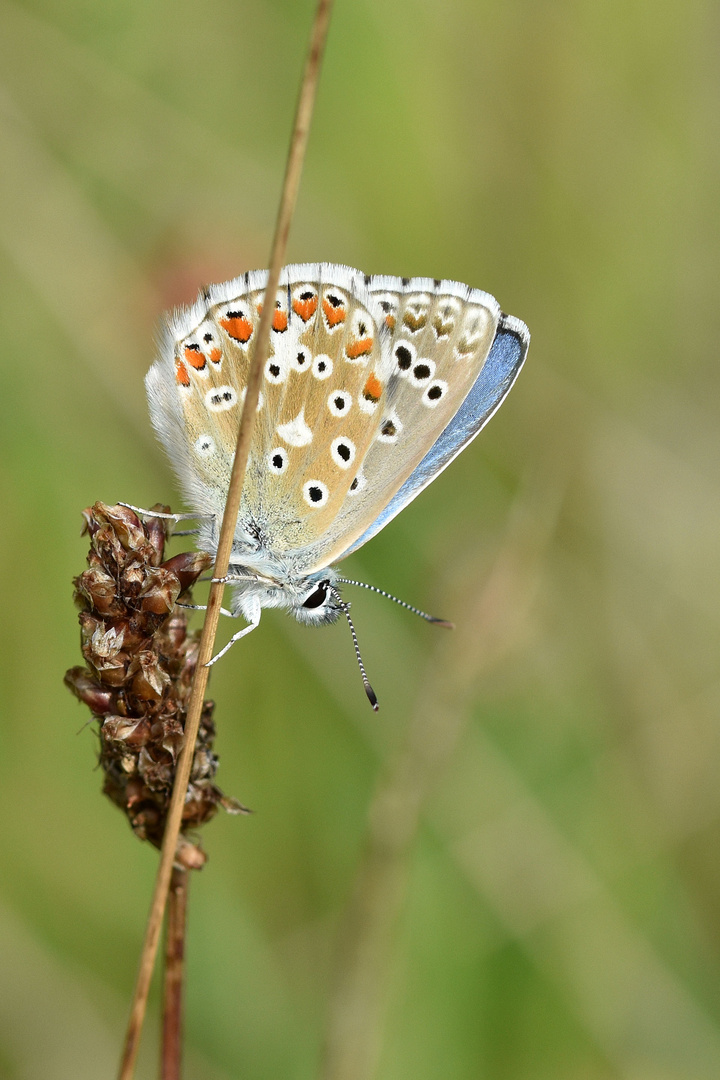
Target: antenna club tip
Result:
[[444, 622], [371, 697]]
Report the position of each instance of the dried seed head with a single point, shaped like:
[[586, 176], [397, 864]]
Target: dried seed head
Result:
[[140, 665]]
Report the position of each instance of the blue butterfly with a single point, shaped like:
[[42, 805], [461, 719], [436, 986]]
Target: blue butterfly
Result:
[[372, 386]]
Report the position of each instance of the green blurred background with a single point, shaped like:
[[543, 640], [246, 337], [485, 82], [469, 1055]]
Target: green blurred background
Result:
[[513, 870]]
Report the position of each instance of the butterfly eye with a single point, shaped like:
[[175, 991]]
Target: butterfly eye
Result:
[[317, 596]]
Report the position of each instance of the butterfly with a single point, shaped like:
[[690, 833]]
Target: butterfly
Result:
[[371, 387]]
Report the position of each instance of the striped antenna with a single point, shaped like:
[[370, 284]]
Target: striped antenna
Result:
[[366, 682], [389, 596]]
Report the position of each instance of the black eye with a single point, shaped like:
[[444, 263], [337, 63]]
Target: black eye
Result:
[[317, 596]]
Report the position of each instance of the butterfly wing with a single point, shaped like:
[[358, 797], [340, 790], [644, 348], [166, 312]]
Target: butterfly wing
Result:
[[487, 394], [362, 403]]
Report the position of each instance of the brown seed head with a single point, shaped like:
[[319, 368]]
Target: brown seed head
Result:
[[140, 665]]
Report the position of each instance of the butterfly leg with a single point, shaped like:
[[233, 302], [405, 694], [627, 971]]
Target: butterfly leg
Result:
[[254, 622], [168, 517], [203, 607]]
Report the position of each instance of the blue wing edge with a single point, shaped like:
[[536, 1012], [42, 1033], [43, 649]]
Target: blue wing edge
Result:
[[499, 372]]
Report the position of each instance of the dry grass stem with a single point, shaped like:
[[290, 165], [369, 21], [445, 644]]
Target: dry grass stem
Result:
[[172, 1027], [287, 203]]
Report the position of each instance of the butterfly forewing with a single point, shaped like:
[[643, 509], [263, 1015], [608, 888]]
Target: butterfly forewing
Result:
[[319, 405]]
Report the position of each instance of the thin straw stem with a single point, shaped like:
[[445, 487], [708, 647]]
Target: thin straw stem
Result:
[[172, 1024], [291, 182]]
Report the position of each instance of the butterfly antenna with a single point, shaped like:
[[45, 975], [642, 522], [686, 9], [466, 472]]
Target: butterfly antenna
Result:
[[409, 607], [366, 682]]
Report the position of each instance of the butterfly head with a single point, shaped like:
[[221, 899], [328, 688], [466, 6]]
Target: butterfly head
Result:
[[313, 599]]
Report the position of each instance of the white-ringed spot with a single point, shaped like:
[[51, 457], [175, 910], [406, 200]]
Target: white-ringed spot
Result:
[[422, 372], [205, 446], [315, 493], [405, 355], [390, 428], [322, 367], [274, 371], [434, 394], [343, 452], [221, 398], [358, 483], [302, 360], [340, 402], [278, 460]]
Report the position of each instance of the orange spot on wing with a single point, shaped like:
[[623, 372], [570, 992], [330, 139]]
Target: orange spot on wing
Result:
[[280, 320], [390, 321], [215, 356], [305, 308], [373, 388], [195, 359], [334, 315], [181, 373], [238, 328], [359, 348]]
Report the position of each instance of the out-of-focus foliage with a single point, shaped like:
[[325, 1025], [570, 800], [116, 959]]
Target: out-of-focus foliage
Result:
[[536, 809]]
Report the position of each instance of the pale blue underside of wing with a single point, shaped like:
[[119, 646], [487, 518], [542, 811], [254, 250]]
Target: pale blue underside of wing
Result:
[[498, 374]]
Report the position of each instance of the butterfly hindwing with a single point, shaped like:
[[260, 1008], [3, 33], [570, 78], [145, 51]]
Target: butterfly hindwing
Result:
[[440, 335], [492, 385]]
